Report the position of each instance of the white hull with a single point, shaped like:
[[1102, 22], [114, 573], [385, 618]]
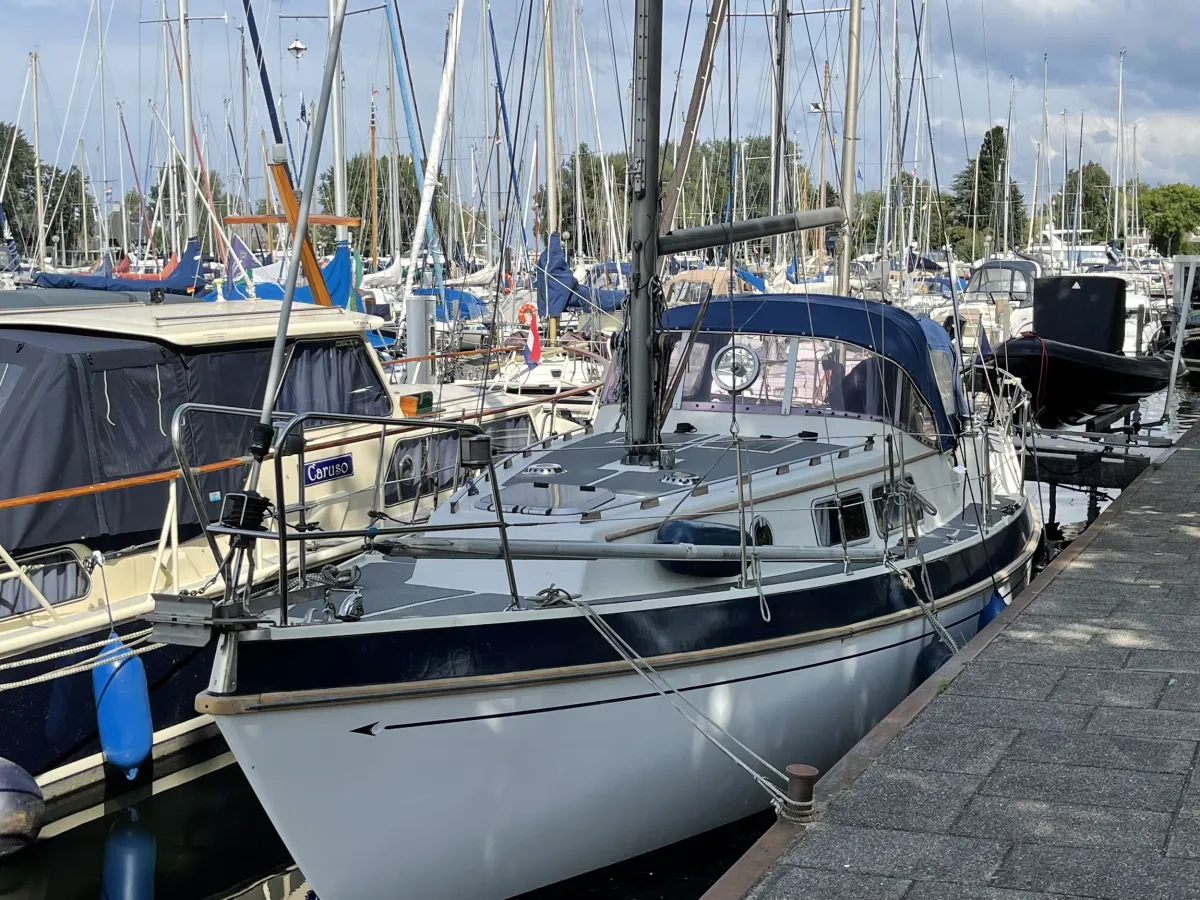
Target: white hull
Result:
[[548, 781]]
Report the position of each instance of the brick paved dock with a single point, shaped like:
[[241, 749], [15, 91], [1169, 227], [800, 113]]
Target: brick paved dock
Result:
[[1056, 757]]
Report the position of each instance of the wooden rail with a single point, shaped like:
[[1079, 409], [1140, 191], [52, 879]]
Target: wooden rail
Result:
[[233, 463]]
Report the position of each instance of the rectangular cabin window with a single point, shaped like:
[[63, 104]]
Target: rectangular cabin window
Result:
[[841, 520], [428, 466], [889, 507], [58, 574]]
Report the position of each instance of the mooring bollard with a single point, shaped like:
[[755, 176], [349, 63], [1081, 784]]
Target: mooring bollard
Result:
[[801, 779]]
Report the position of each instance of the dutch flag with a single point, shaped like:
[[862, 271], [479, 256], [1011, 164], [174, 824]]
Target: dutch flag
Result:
[[533, 343]]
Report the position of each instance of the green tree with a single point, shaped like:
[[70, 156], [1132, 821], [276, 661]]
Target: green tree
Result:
[[978, 197], [1172, 213], [64, 197], [358, 203]]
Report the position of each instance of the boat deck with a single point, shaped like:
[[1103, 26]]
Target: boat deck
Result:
[[1055, 757], [388, 591]]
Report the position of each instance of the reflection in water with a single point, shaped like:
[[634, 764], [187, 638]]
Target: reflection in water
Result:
[[210, 839], [129, 855], [205, 839]]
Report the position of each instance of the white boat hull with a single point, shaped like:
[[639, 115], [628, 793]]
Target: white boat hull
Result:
[[481, 795]]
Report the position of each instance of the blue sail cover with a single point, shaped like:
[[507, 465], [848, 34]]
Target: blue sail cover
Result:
[[469, 306], [185, 278], [755, 281], [557, 287], [887, 330], [338, 274]]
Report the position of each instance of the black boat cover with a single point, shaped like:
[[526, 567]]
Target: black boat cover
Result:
[[1071, 384], [1083, 311], [82, 409]]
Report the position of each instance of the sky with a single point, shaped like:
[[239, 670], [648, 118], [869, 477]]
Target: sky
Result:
[[976, 52]]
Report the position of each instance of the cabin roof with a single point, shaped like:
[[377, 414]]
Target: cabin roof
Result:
[[194, 324]]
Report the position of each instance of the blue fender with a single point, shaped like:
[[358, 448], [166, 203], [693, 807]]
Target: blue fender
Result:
[[122, 707], [995, 606]]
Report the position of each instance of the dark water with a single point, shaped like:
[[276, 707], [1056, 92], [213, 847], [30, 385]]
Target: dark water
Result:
[[210, 839]]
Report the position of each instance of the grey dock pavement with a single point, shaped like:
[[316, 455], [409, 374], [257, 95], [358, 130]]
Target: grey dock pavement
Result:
[[1054, 757]]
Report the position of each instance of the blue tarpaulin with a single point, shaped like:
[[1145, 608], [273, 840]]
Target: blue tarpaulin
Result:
[[755, 281], [185, 278], [337, 273], [469, 306]]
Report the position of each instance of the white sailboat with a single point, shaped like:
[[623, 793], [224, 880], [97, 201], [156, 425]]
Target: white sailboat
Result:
[[784, 502]]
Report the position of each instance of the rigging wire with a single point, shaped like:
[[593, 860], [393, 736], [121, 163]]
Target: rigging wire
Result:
[[983, 512]]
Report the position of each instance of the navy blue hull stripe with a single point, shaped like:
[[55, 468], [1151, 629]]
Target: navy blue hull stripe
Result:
[[500, 648], [369, 729]]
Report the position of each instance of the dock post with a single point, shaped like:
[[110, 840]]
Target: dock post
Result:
[[1052, 517], [801, 779]]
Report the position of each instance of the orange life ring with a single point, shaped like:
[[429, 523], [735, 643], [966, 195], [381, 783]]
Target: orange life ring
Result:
[[526, 313], [508, 279]]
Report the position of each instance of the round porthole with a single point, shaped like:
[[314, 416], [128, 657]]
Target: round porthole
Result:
[[735, 368], [761, 533]]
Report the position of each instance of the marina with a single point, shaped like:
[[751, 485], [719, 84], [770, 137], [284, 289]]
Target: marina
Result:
[[416, 499]]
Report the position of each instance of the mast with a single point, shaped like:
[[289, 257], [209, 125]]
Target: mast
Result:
[[1116, 177], [1005, 191], [172, 185], [849, 138], [337, 109], [1136, 229], [185, 54], [1078, 200], [1063, 206], [372, 192], [491, 144], [642, 418], [83, 201], [264, 432], [1044, 149], [121, 188], [245, 75], [778, 131], [101, 196], [819, 249], [393, 173], [552, 217], [37, 167], [687, 141], [575, 106]]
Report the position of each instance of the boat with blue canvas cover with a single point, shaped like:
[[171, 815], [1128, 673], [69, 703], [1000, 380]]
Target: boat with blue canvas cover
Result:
[[185, 277], [338, 275]]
